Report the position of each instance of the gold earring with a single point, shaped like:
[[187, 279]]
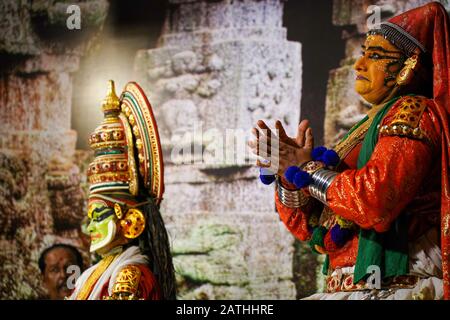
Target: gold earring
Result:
[[406, 74], [133, 224]]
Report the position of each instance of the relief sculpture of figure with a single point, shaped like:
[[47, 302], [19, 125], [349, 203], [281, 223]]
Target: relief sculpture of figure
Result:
[[126, 188], [378, 205]]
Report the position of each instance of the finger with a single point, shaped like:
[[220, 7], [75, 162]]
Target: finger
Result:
[[255, 132], [264, 153], [282, 134], [262, 125], [257, 135], [268, 143], [273, 165], [302, 127], [309, 141], [265, 130], [267, 154], [253, 150], [252, 143], [253, 147], [264, 145], [261, 164], [281, 131], [267, 163]]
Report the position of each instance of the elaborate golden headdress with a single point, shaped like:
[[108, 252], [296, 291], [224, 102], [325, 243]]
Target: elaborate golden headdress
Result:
[[128, 156]]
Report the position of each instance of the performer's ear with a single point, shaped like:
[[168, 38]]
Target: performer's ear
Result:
[[133, 224]]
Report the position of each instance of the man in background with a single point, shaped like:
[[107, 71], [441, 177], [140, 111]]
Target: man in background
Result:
[[54, 263]]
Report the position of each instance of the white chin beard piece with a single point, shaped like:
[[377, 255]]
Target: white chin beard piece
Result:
[[108, 239]]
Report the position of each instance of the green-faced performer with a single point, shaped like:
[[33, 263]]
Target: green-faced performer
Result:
[[126, 188]]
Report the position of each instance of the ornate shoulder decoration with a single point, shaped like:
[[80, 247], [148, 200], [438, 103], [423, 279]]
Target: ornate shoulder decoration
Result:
[[126, 286], [405, 121]]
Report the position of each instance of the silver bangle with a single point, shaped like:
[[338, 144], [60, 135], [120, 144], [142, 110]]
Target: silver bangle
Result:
[[291, 198], [322, 180]]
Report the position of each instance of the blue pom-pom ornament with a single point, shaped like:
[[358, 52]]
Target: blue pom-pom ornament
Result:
[[340, 235], [290, 173], [330, 158], [317, 153], [266, 176], [302, 179]]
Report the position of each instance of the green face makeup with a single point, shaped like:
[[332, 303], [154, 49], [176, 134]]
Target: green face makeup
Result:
[[102, 226]]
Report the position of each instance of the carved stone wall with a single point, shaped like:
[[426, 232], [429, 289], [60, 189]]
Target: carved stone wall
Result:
[[41, 199], [219, 67], [344, 107]]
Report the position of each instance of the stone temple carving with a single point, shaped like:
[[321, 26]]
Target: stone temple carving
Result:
[[41, 196], [219, 67]]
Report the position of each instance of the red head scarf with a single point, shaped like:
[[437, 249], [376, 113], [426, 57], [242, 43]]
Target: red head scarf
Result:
[[426, 30]]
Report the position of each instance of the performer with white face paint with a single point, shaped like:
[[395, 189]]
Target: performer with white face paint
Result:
[[126, 187]]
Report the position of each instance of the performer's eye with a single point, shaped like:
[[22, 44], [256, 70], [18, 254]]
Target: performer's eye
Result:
[[375, 56]]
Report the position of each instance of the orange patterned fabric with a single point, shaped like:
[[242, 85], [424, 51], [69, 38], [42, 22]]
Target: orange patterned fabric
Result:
[[401, 176]]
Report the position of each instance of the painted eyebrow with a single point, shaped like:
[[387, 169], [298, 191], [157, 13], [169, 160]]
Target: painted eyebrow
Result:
[[100, 209], [105, 215], [97, 210], [378, 48]]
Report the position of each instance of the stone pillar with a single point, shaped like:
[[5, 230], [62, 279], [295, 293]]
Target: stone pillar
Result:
[[219, 67], [344, 107], [41, 200]]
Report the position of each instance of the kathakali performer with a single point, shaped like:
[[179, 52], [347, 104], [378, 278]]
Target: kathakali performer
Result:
[[126, 188], [381, 198]]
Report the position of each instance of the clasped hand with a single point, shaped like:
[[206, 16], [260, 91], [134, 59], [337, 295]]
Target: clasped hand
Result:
[[286, 151]]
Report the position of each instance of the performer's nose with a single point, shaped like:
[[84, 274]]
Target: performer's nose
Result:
[[360, 64]]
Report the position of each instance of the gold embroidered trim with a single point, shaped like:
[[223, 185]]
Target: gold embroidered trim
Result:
[[344, 282], [404, 131], [95, 275], [132, 167], [109, 177]]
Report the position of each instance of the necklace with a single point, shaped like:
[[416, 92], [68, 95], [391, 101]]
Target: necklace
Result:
[[357, 135]]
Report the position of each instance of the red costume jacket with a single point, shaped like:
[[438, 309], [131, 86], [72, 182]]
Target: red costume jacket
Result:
[[402, 177]]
